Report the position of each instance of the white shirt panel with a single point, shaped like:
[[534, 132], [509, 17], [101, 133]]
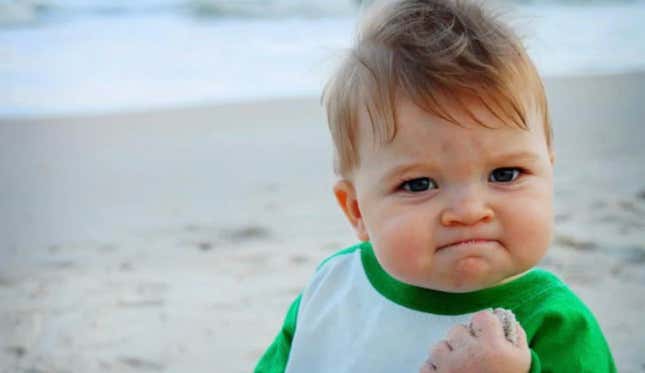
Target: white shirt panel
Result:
[[344, 325]]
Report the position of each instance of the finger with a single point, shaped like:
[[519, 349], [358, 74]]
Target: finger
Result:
[[508, 321], [439, 352], [448, 345], [485, 324], [459, 335], [521, 336], [428, 367]]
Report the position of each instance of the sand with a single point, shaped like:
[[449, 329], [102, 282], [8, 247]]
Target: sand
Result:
[[174, 240]]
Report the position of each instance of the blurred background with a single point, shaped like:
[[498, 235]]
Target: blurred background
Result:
[[165, 173], [76, 56]]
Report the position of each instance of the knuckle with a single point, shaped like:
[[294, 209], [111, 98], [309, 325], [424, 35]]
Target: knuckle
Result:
[[458, 329], [425, 368], [459, 334], [484, 315], [439, 350]]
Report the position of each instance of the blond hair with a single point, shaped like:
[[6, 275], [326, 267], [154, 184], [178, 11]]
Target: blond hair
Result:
[[428, 50]]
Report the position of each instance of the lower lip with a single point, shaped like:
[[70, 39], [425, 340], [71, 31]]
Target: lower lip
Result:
[[469, 243]]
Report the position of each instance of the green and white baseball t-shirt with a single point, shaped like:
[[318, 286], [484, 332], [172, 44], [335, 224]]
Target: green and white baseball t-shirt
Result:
[[354, 317]]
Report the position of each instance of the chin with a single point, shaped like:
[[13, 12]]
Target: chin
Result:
[[466, 288], [473, 282]]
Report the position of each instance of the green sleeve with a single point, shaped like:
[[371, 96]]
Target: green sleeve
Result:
[[567, 338], [535, 363], [275, 357]]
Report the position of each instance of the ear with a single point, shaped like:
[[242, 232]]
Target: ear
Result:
[[346, 197]]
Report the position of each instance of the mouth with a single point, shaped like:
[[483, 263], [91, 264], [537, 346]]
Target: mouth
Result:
[[473, 242]]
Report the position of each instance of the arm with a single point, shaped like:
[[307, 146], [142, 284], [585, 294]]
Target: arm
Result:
[[569, 340], [276, 356]]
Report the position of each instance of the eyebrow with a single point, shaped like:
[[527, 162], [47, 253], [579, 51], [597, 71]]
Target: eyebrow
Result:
[[404, 168], [525, 156]]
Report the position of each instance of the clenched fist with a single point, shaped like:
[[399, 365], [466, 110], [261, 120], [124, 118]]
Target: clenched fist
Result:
[[493, 343]]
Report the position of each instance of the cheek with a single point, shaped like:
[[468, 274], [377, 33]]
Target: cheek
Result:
[[530, 228], [401, 243]]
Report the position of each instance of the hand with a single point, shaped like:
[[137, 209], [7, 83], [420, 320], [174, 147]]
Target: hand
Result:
[[481, 347]]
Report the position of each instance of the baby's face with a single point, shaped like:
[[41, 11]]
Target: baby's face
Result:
[[455, 208]]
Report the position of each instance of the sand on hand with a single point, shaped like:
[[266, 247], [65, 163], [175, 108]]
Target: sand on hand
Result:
[[507, 318]]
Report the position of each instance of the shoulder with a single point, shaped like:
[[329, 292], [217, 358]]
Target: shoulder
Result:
[[336, 271], [343, 254], [553, 299], [562, 330]]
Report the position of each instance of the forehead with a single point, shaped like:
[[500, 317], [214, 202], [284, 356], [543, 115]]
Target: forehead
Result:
[[477, 131]]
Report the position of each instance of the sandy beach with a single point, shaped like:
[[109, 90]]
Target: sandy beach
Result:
[[174, 240]]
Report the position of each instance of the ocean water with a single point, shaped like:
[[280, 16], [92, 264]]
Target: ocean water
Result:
[[87, 57]]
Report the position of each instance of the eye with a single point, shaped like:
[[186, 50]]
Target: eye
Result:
[[419, 184], [504, 175]]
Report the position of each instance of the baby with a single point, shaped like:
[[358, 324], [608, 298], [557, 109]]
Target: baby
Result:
[[445, 161]]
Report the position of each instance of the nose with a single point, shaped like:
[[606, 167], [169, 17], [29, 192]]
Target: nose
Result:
[[466, 206]]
